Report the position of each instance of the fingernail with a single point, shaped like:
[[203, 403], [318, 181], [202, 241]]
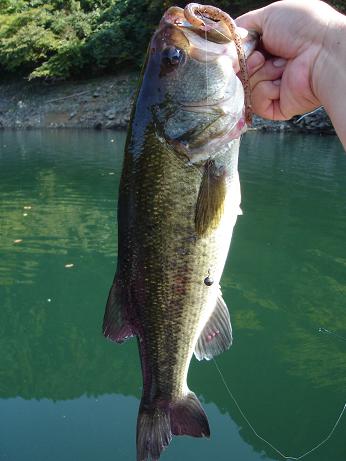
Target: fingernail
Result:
[[277, 82], [279, 62]]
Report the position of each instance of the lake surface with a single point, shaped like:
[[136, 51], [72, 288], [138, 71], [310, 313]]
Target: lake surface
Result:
[[68, 394]]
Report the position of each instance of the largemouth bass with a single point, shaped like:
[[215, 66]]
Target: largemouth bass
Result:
[[179, 199]]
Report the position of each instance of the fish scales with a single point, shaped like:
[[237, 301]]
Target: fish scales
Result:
[[171, 296], [179, 199]]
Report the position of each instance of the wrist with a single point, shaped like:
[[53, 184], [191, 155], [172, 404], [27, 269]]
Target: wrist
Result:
[[331, 59], [328, 77]]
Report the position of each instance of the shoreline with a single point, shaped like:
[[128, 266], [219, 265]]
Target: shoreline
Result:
[[105, 103]]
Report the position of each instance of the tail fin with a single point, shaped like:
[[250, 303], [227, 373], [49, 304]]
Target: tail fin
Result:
[[157, 424], [153, 433], [188, 417]]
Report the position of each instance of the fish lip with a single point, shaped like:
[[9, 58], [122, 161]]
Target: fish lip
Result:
[[218, 37], [175, 16]]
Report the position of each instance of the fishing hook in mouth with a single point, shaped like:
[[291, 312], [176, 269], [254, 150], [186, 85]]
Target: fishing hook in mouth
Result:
[[194, 13]]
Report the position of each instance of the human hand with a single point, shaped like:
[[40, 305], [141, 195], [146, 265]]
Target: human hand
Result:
[[294, 32]]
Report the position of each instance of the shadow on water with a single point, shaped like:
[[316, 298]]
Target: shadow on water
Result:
[[65, 392]]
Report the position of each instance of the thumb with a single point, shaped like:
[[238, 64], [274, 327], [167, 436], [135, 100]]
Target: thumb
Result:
[[253, 20]]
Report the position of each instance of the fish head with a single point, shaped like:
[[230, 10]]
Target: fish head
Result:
[[195, 97]]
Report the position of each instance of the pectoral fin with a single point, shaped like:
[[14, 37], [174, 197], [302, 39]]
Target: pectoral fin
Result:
[[116, 326], [210, 201], [216, 337]]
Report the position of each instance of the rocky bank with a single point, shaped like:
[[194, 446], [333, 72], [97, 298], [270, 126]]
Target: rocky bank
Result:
[[103, 103]]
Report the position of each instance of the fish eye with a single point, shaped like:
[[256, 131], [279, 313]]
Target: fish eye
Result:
[[172, 56]]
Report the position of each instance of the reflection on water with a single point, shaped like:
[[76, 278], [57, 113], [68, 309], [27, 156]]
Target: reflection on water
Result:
[[66, 393], [90, 429]]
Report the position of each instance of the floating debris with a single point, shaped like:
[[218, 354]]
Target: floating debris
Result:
[[332, 333]]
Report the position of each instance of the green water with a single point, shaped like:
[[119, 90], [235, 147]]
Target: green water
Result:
[[68, 394]]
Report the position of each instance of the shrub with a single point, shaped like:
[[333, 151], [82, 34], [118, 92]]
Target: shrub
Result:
[[71, 38]]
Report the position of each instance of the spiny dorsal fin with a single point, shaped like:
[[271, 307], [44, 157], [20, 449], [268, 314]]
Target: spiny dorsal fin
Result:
[[216, 336], [211, 198]]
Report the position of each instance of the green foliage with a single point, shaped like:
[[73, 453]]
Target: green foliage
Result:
[[122, 34], [71, 38], [44, 39], [340, 5], [64, 38], [24, 39]]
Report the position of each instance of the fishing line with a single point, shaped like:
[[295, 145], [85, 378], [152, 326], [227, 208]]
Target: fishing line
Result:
[[308, 113], [293, 458], [321, 330], [223, 35], [207, 90], [206, 62], [328, 332]]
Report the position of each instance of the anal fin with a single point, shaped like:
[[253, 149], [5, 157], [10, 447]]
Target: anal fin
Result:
[[115, 324], [216, 336]]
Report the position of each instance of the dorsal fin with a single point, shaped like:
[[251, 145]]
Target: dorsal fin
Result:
[[115, 325], [216, 336], [211, 198]]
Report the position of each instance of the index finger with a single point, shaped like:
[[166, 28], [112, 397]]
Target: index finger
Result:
[[253, 20]]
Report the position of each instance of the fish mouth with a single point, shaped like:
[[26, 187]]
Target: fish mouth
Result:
[[211, 38], [209, 29], [214, 36]]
